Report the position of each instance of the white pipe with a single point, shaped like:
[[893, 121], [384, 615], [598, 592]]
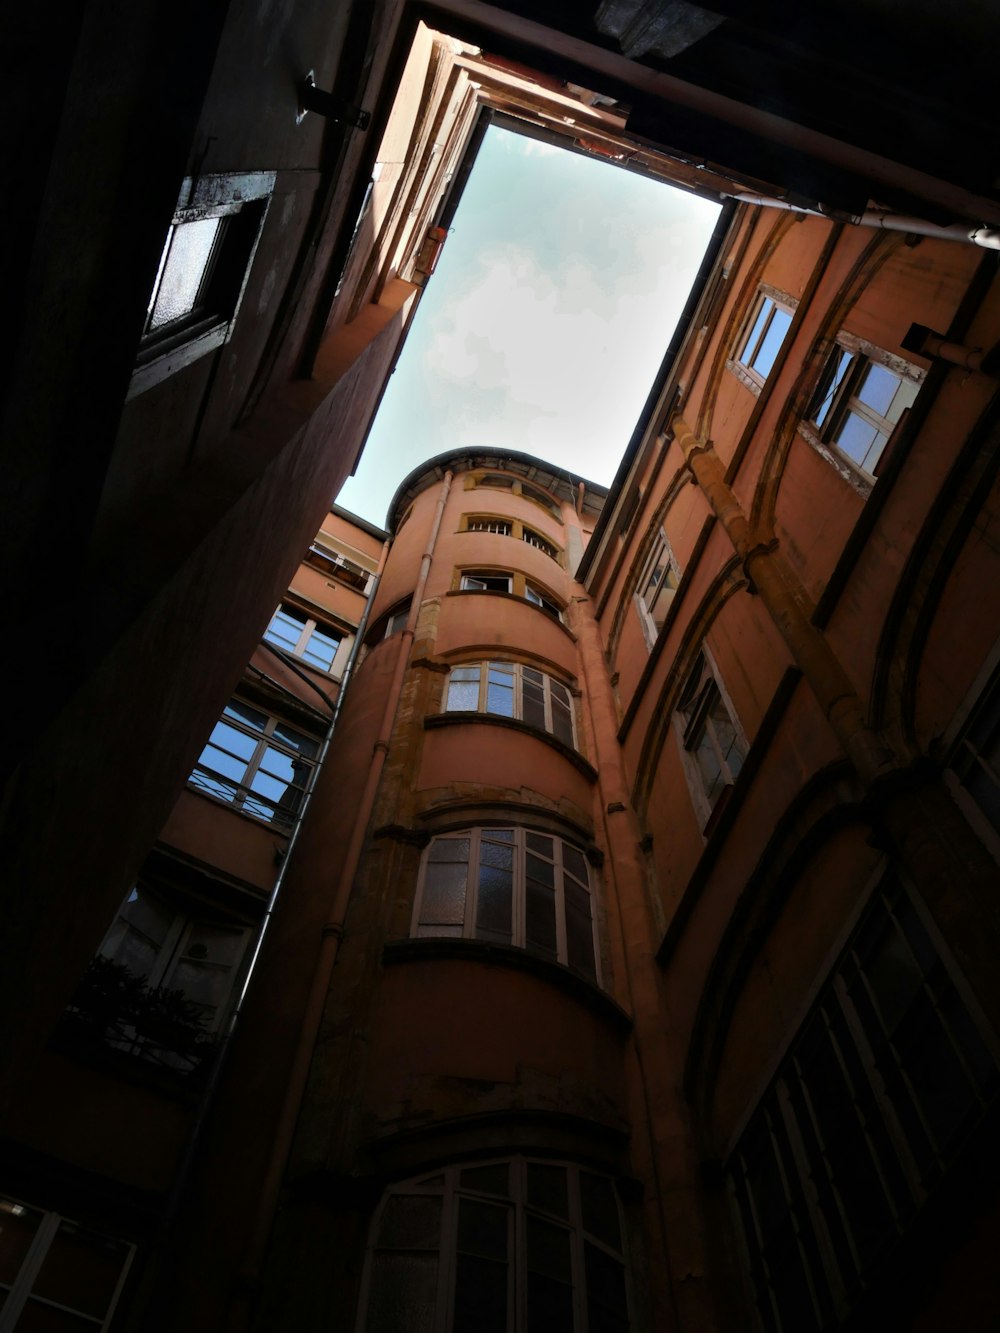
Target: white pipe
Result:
[[987, 237]]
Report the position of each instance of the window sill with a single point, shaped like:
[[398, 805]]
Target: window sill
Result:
[[511, 597], [744, 376], [428, 949], [855, 478], [514, 724], [168, 363]]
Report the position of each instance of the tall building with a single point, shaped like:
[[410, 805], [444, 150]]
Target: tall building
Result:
[[625, 954]]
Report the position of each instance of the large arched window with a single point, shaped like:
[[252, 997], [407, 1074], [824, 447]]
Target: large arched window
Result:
[[512, 689], [498, 1247], [509, 886]]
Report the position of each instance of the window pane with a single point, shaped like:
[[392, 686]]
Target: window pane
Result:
[[321, 649], [494, 903], [285, 629], [18, 1225], [773, 338], [238, 743], [81, 1270], [411, 1222], [550, 1293], [303, 745], [600, 1208], [573, 862], [580, 939], [547, 1188], [562, 720], [496, 853], [856, 437], [492, 1179], [753, 336], [878, 388], [839, 364], [540, 917], [500, 696], [453, 849], [481, 1268], [444, 894], [463, 695], [606, 1285], [236, 708], [533, 703], [538, 842], [403, 1291], [188, 254]]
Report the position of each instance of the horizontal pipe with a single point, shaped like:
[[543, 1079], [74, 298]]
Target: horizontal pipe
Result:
[[987, 237]]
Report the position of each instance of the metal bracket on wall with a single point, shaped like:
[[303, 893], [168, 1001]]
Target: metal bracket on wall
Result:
[[315, 99]]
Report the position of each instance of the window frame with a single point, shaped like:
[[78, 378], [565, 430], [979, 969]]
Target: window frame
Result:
[[20, 1290], [244, 797], [454, 1183], [836, 400], [334, 564], [780, 303], [517, 586], [647, 595], [470, 930], [240, 202], [310, 627], [873, 1051], [693, 719], [517, 670]]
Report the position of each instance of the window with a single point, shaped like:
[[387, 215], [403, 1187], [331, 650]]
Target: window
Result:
[[303, 637], [501, 526], [657, 586], [539, 598], [257, 763], [161, 983], [540, 498], [498, 1247], [976, 762], [202, 273], [57, 1273], [396, 622], [762, 338], [540, 543], [511, 689], [883, 1085], [337, 566], [861, 398], [712, 742], [510, 886], [487, 581]]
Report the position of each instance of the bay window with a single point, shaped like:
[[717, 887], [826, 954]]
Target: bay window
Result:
[[512, 689]]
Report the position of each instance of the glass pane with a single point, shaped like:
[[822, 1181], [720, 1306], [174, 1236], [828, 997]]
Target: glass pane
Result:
[[543, 871], [550, 1291], [533, 704], [245, 714], [540, 917], [580, 941], [600, 1208], [773, 339], [482, 1229], [574, 862], [236, 742], [480, 1295], [493, 1179], [758, 327], [856, 437], [452, 849], [411, 1222], [493, 907], [189, 252], [463, 696], [547, 1188], [403, 1292], [500, 855], [223, 764], [18, 1225], [837, 369], [562, 721], [444, 894], [500, 698], [321, 649], [303, 745], [81, 1269], [878, 388], [605, 1281]]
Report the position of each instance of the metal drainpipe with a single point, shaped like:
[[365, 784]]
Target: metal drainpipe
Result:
[[214, 1078], [331, 936], [971, 233]]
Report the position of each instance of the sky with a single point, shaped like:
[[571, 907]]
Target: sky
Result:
[[541, 331]]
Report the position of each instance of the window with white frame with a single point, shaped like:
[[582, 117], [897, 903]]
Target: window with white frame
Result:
[[712, 742], [762, 337], [337, 566], [882, 1087], [512, 689], [543, 600], [56, 1273], [657, 586], [488, 580], [257, 763], [302, 636], [861, 398], [509, 886], [202, 273], [498, 1247]]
